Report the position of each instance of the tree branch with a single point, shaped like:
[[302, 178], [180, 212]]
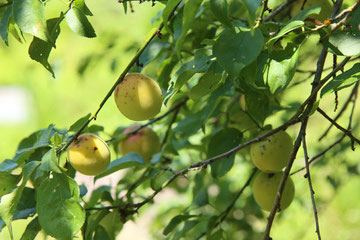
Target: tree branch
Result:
[[308, 176], [279, 10], [342, 110], [345, 131], [320, 154]]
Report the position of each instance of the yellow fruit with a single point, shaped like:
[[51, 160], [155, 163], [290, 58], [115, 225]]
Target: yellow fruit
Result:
[[273, 153], [145, 143], [138, 97], [265, 187], [89, 154]]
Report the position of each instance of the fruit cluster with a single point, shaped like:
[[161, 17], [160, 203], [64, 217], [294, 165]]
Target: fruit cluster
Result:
[[138, 97], [271, 156]]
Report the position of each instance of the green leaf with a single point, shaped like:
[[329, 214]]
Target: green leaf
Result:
[[49, 161], [258, 104], [79, 123], [195, 121], [200, 192], [127, 161], [39, 50], [60, 213], [187, 227], [29, 15], [96, 195], [176, 221], [207, 83], [220, 9], [32, 229], [93, 222], [291, 26], [252, 6], [78, 23], [347, 44], [36, 140], [8, 182], [234, 51], [218, 235], [281, 69], [10, 201], [221, 142], [355, 22], [199, 64], [167, 12], [82, 6], [4, 24], [306, 13], [8, 165], [190, 10], [160, 179], [344, 80]]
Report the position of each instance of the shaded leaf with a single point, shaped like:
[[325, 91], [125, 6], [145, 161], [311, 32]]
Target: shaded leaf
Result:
[[234, 51], [39, 50], [49, 161], [82, 6], [176, 221], [79, 123], [344, 80], [4, 24], [190, 10], [78, 23], [347, 44], [129, 160], [60, 213], [220, 10], [221, 142], [251, 6], [32, 229], [281, 68], [29, 15]]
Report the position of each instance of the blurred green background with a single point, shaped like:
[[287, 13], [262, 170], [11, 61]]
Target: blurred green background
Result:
[[86, 69]]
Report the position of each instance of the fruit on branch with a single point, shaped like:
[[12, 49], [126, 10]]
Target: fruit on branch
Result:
[[138, 97], [265, 188], [145, 142], [273, 153], [325, 12], [89, 154]]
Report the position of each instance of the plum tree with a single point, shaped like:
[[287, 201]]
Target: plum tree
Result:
[[265, 187], [272, 154], [138, 97], [89, 154], [145, 143]]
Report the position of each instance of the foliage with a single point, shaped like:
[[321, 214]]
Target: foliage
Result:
[[225, 68]]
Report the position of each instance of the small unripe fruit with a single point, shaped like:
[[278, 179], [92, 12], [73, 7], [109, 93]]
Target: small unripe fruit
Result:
[[273, 153], [89, 154], [265, 188], [145, 143], [138, 97]]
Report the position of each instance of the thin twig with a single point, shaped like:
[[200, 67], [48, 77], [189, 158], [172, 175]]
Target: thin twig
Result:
[[226, 212], [320, 154], [342, 110], [345, 131], [169, 126], [278, 10], [308, 176]]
